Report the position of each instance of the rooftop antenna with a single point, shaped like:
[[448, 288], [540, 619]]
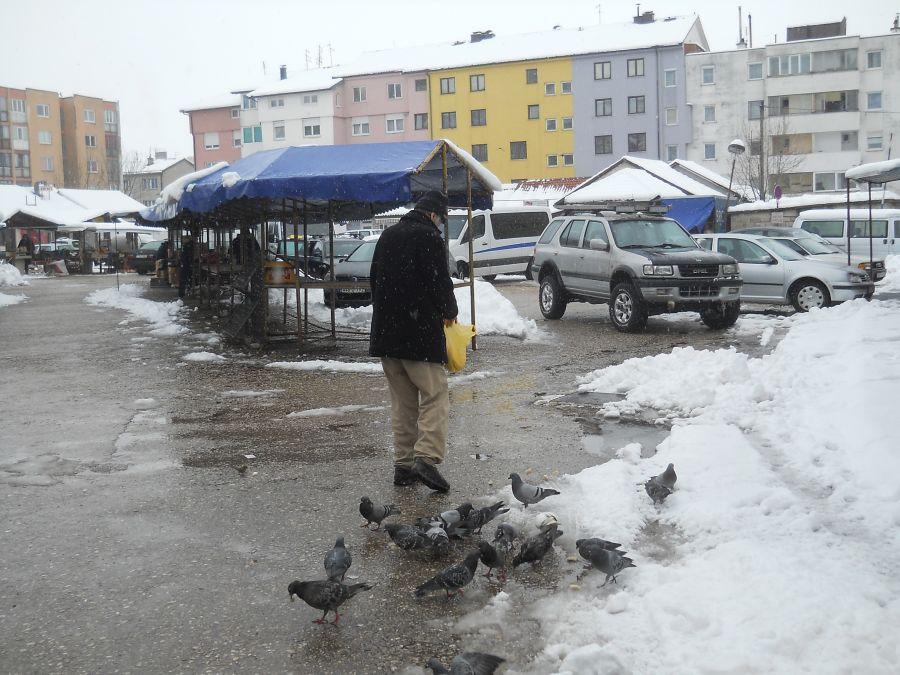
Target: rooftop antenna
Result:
[[264, 67], [599, 12], [750, 29], [330, 56]]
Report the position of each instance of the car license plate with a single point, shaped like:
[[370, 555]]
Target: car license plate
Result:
[[351, 290]]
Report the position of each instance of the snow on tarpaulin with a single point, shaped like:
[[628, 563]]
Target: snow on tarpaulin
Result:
[[167, 206], [875, 172]]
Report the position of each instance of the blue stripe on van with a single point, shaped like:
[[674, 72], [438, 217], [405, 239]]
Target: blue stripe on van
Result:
[[508, 247]]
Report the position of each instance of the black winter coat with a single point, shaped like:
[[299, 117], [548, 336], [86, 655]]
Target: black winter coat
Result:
[[411, 292]]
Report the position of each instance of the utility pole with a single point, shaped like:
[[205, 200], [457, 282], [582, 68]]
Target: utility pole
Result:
[[762, 149]]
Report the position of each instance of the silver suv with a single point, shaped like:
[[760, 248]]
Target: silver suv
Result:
[[639, 265]]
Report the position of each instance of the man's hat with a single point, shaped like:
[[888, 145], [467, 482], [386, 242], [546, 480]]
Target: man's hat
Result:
[[433, 202]]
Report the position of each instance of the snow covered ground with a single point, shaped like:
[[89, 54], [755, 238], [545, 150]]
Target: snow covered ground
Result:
[[11, 277], [777, 552], [164, 317]]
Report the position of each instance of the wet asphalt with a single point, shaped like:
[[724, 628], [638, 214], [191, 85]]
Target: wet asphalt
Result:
[[138, 537]]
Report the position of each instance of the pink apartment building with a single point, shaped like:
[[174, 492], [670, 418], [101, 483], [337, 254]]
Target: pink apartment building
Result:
[[382, 108], [216, 128]]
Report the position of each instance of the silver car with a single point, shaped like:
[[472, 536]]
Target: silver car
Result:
[[774, 273]]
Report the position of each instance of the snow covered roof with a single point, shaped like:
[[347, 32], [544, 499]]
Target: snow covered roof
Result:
[[602, 38], [315, 79], [815, 199], [159, 165], [113, 202], [223, 101], [531, 191], [63, 207], [665, 172], [701, 171], [875, 172]]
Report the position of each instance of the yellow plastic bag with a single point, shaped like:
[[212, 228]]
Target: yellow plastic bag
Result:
[[458, 336]]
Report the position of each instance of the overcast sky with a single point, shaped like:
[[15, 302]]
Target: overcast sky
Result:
[[156, 56]]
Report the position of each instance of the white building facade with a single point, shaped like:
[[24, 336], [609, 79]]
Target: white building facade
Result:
[[826, 105]]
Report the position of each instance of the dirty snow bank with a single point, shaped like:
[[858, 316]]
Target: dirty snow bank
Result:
[[6, 300], [328, 366], [10, 276], [203, 357], [777, 551], [891, 281], [163, 317], [335, 412]]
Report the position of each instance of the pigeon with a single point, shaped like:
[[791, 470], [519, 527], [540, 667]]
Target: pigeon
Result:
[[608, 561], [449, 520], [595, 542], [375, 514], [337, 561], [440, 540], [478, 518], [528, 493], [493, 557], [408, 537], [661, 486], [325, 595], [505, 535], [535, 548], [468, 663], [452, 578]]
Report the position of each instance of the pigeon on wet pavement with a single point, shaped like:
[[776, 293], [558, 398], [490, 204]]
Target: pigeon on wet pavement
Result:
[[528, 493], [375, 513], [337, 561], [449, 520], [661, 486], [440, 540], [453, 578], [535, 548], [478, 518], [493, 557], [408, 537], [467, 663], [505, 535], [325, 595]]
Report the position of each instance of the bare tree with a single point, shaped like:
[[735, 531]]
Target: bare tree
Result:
[[782, 153], [131, 164]]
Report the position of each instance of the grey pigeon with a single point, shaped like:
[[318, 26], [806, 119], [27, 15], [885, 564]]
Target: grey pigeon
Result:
[[337, 561], [449, 520], [608, 561], [478, 518], [440, 540], [505, 534], [535, 548], [453, 578], [468, 663], [325, 595], [596, 542], [375, 514], [408, 537], [493, 557], [528, 493], [661, 486]]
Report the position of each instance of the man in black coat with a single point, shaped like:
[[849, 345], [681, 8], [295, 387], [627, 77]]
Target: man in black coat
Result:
[[412, 300]]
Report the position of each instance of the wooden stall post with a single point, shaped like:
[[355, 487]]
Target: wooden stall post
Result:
[[471, 255]]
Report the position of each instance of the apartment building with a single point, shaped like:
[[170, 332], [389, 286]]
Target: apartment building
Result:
[[144, 183], [30, 137], [821, 103], [215, 126], [91, 144]]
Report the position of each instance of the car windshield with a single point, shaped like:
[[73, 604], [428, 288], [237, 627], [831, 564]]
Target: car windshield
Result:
[[650, 234], [781, 250], [343, 247], [149, 246], [364, 253], [455, 224], [816, 246]]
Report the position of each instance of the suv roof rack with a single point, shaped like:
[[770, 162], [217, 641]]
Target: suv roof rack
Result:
[[651, 207]]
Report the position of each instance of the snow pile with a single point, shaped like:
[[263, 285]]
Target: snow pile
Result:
[[230, 179], [335, 412], [328, 366], [6, 299], [777, 551], [250, 393], [203, 357], [891, 281], [10, 276], [163, 317]]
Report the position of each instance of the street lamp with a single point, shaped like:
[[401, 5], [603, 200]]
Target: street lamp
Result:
[[736, 147]]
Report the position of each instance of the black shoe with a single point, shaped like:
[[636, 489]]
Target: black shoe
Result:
[[403, 475], [429, 475]]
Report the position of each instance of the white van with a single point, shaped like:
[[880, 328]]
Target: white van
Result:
[[831, 224], [504, 239]]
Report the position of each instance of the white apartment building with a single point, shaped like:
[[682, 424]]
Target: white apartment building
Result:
[[828, 104], [296, 110]]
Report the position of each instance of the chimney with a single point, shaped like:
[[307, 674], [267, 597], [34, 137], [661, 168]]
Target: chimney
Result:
[[741, 43], [750, 29], [646, 17], [149, 160], [896, 27], [479, 35], [162, 154], [282, 72]]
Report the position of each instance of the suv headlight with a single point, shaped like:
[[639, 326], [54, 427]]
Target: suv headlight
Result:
[[658, 271], [857, 278], [730, 269]]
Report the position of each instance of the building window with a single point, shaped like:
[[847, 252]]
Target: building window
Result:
[[92, 166], [552, 160], [247, 103], [479, 117], [635, 105], [422, 84], [824, 182], [236, 138], [534, 112], [476, 82], [150, 183], [90, 141], [566, 87], [480, 152], [754, 71], [395, 124], [794, 64], [671, 153], [568, 159], [874, 142], [550, 124], [637, 142], [603, 145], [360, 126], [211, 140], [23, 166], [603, 107], [359, 94], [448, 85], [89, 116], [754, 110], [279, 102], [43, 110], [550, 89], [420, 121], [5, 164], [709, 113], [518, 150], [873, 100], [567, 123], [531, 76], [448, 120], [395, 90], [603, 70], [873, 59], [44, 138], [252, 134], [670, 77], [18, 105], [235, 113], [709, 151], [671, 116], [635, 67], [278, 131], [310, 99], [20, 133], [708, 75], [47, 163]]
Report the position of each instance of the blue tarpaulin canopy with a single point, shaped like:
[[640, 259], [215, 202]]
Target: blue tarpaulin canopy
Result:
[[692, 213], [343, 181]]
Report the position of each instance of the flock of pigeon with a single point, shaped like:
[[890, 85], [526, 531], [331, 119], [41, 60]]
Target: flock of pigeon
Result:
[[433, 534]]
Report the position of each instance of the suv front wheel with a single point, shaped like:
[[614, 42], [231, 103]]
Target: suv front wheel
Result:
[[550, 298], [721, 316], [626, 309]]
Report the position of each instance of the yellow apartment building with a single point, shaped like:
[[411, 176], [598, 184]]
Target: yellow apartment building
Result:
[[90, 134], [516, 118], [44, 136]]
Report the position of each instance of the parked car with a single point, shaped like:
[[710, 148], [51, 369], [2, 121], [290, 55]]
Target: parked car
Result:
[[816, 248], [356, 267], [639, 265], [774, 273], [143, 260], [363, 234], [318, 252], [503, 241], [832, 225]]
